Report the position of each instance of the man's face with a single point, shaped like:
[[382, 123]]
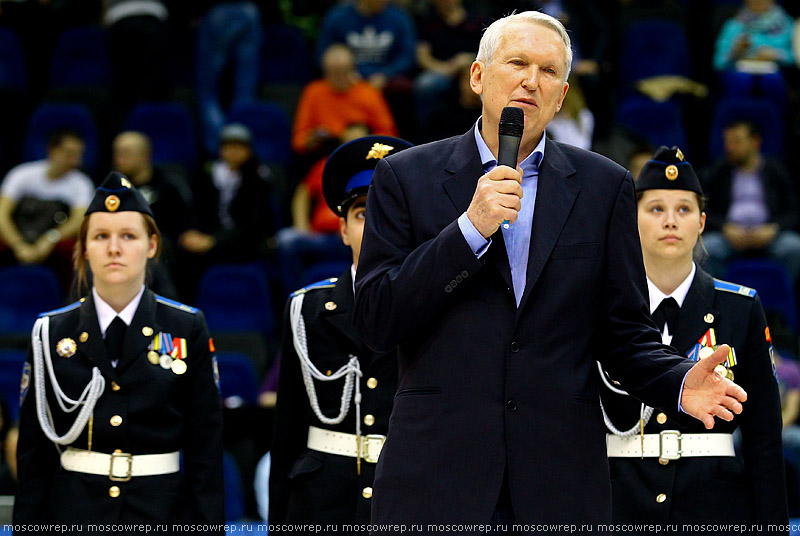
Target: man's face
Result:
[[129, 156], [740, 144], [527, 71], [235, 153], [66, 156], [352, 227]]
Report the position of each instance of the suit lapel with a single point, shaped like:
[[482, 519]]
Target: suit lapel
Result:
[[136, 341], [692, 323], [90, 339], [465, 168], [555, 197]]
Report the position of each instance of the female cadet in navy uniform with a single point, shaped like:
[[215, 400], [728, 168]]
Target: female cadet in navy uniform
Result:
[[122, 386], [326, 441], [686, 475]]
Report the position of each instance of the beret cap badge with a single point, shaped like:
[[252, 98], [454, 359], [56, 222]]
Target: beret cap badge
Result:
[[112, 203]]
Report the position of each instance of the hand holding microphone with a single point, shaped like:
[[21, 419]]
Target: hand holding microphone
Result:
[[498, 195]]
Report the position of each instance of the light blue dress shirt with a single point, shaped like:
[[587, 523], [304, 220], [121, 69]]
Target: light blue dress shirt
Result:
[[518, 235]]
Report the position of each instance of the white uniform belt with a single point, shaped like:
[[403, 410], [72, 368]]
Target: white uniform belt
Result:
[[120, 466], [669, 445], [369, 447]]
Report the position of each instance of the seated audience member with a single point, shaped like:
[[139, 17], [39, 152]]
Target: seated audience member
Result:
[[166, 194], [383, 40], [448, 40], [235, 210], [761, 31], [450, 117], [752, 205], [42, 204], [574, 123], [339, 99]]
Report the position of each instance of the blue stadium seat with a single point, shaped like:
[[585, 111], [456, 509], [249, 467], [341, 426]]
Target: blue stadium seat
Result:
[[11, 363], [238, 379], [81, 58], [26, 291], [236, 297], [285, 58], [171, 129], [270, 127], [653, 47], [50, 116], [773, 283], [761, 111], [660, 123], [13, 74], [323, 270], [234, 489]]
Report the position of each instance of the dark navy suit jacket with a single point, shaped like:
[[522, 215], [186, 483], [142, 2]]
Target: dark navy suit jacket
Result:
[[484, 384]]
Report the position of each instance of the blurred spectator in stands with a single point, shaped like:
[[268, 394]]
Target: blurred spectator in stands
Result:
[[167, 194], [230, 32], [340, 99], [42, 205], [638, 156], [787, 371], [383, 39], [138, 38], [314, 234], [236, 209], [761, 31], [574, 123], [448, 41], [752, 205], [450, 117]]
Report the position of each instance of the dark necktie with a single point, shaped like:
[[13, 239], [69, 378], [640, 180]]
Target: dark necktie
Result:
[[667, 312], [114, 335]]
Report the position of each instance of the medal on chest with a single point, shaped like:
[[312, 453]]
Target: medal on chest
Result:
[[168, 352], [706, 346]]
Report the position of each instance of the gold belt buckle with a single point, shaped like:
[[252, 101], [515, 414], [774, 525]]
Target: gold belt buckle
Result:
[[126, 456], [678, 452], [369, 440]]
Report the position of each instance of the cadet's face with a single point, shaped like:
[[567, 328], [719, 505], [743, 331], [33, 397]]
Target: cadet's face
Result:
[[670, 222], [528, 72], [352, 227], [117, 248]]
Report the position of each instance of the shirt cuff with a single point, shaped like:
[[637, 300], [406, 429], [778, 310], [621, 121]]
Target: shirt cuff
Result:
[[680, 394], [477, 243]]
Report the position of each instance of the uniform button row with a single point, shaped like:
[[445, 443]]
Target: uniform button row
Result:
[[372, 383], [511, 405], [116, 420], [514, 347]]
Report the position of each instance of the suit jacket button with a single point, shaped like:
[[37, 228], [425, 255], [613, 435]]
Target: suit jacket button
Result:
[[448, 289], [453, 283], [464, 274], [459, 279], [511, 405], [514, 347]]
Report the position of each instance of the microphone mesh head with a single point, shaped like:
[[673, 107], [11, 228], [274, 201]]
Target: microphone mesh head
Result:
[[512, 121]]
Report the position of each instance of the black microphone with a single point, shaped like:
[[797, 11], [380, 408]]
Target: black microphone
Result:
[[512, 123]]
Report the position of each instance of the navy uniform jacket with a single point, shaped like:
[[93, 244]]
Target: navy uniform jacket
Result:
[[744, 490], [484, 385], [161, 412], [311, 486]]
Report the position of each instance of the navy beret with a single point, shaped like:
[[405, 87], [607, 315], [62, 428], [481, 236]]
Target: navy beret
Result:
[[117, 194], [668, 170]]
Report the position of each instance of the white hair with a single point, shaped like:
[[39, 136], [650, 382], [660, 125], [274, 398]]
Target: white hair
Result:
[[490, 41]]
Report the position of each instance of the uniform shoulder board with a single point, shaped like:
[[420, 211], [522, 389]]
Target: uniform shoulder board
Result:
[[325, 283], [176, 305], [64, 309], [734, 288]]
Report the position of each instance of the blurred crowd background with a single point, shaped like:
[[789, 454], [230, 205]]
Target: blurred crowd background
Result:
[[223, 113]]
